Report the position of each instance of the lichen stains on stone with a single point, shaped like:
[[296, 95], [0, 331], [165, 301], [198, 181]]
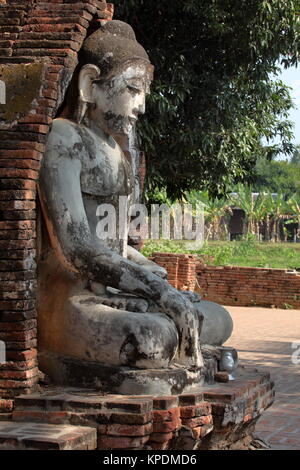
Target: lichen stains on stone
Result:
[[23, 83]]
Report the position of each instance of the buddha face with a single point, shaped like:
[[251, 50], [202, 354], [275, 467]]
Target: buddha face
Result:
[[120, 100]]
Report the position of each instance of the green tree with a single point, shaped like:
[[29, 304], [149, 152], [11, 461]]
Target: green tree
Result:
[[295, 160], [279, 176], [213, 100]]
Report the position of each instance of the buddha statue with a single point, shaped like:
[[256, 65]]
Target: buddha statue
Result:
[[107, 316]]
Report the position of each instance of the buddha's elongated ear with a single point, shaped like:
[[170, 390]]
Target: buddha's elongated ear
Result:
[[87, 75]]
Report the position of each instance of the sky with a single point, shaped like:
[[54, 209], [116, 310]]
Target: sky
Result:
[[291, 77]]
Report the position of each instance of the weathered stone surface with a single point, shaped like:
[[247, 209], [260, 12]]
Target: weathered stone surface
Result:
[[202, 409], [190, 400], [125, 430], [221, 377], [122, 442], [23, 83], [34, 436], [74, 372]]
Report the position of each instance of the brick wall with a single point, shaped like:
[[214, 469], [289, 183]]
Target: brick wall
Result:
[[38, 54], [233, 285], [181, 269]]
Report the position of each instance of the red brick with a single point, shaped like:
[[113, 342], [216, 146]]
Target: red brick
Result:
[[166, 426], [21, 355], [18, 265], [17, 205], [53, 417], [17, 384], [192, 399], [17, 195], [18, 326], [165, 403], [194, 411], [125, 430], [161, 437], [36, 23], [195, 422], [6, 406], [18, 173], [159, 445], [110, 442], [17, 184], [16, 244], [36, 119], [160, 416], [19, 374], [19, 365], [196, 432]]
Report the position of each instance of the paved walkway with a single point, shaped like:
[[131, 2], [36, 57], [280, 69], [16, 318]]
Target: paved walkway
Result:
[[263, 338]]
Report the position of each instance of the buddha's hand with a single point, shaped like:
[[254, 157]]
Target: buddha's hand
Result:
[[155, 269], [192, 296], [158, 270], [188, 323]]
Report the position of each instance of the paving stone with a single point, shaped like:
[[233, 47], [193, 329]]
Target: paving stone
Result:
[[263, 338]]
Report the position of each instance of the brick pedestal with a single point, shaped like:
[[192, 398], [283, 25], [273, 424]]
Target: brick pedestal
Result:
[[222, 416]]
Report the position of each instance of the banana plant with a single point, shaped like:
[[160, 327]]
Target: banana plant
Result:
[[293, 204], [215, 212]]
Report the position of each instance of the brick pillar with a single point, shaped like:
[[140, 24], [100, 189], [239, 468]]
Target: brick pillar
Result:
[[39, 42], [181, 269], [169, 261], [187, 272]]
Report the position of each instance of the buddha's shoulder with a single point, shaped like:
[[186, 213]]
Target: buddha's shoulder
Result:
[[64, 132]]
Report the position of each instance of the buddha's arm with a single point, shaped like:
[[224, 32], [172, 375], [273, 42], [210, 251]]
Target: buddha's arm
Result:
[[72, 239], [68, 226], [70, 233]]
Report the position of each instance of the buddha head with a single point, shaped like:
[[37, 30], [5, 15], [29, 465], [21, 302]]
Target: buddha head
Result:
[[114, 79]]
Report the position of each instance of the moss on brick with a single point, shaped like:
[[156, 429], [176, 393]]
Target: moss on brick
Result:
[[23, 83]]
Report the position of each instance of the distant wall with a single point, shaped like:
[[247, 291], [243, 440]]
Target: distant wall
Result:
[[234, 285]]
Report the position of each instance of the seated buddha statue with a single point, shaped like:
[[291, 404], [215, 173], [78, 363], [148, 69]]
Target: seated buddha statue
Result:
[[107, 315]]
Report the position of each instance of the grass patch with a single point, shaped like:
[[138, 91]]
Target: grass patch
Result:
[[237, 253]]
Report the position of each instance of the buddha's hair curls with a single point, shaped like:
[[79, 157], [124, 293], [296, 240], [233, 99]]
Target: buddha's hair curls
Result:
[[111, 47]]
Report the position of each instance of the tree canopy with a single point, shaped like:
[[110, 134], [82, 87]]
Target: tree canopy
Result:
[[216, 96], [279, 176], [296, 156]]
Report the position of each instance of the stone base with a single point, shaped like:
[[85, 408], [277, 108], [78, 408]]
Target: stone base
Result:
[[69, 371], [219, 416]]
